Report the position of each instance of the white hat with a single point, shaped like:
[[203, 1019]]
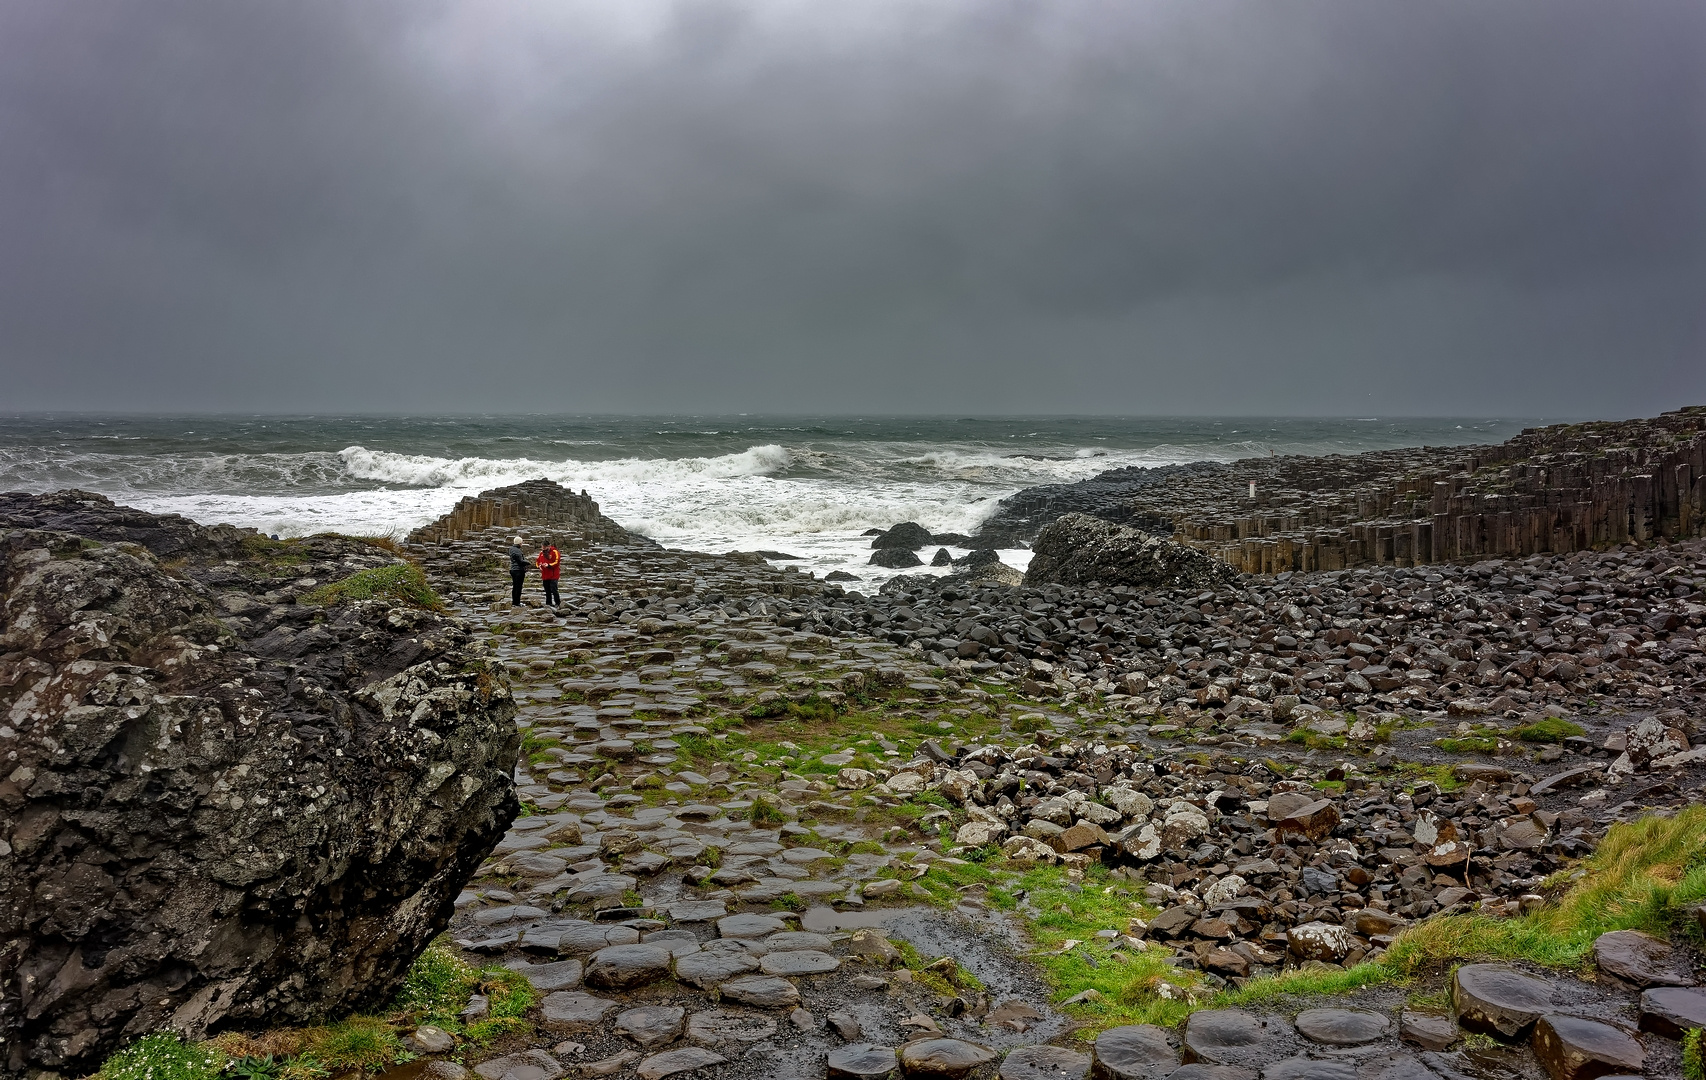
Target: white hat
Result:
[[516, 541]]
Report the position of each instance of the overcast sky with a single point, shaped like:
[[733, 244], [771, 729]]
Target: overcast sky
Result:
[[1362, 207]]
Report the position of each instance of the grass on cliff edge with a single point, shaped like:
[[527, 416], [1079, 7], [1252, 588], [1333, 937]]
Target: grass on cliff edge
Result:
[[401, 582], [1643, 877]]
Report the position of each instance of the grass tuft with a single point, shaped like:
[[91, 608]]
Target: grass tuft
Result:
[[401, 582], [1694, 1054], [164, 1056], [1550, 730]]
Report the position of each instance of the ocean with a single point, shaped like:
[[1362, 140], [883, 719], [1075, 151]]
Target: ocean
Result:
[[807, 486]]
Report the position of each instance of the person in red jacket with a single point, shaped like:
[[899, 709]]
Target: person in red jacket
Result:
[[550, 562]]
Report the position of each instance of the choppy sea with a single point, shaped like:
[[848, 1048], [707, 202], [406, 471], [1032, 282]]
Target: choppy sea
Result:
[[808, 486]]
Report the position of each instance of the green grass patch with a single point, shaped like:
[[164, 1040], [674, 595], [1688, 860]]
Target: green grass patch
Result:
[[402, 582], [1694, 1054], [164, 1056], [1314, 740], [359, 1044], [1468, 744], [1550, 730]]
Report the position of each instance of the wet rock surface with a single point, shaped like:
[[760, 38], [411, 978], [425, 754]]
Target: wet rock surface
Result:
[[224, 803], [1288, 770]]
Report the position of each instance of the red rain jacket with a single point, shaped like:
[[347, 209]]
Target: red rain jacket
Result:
[[550, 564]]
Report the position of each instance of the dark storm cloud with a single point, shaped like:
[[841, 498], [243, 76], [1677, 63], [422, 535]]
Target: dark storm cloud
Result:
[[978, 206]]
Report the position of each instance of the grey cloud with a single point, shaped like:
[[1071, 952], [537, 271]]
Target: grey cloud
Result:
[[986, 206]]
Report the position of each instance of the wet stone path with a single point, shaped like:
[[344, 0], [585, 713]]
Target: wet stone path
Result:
[[691, 906]]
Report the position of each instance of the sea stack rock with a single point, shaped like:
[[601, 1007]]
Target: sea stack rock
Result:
[[231, 795]]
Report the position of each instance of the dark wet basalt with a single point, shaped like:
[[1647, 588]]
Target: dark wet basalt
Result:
[[223, 805]]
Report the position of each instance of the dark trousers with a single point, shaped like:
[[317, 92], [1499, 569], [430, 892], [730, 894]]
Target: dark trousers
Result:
[[551, 592], [515, 581]]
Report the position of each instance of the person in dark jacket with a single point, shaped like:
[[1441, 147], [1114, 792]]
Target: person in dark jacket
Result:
[[550, 562], [517, 572]]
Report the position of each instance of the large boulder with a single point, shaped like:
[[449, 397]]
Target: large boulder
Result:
[[1078, 548], [229, 799]]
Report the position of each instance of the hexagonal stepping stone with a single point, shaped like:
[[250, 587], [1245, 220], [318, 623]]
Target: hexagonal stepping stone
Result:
[[1342, 1027], [749, 926], [705, 969], [1429, 1031], [527, 1065], [623, 967], [1640, 959], [675, 1062], [1045, 1063], [569, 1011], [651, 1025], [696, 911], [862, 1061], [601, 890], [1573, 1048], [591, 937], [943, 1057], [729, 1027], [798, 962], [1671, 1010], [804, 856], [557, 975], [764, 991], [1497, 1000], [1134, 1052], [1228, 1037], [1399, 1066], [793, 940], [1200, 1071], [1308, 1068]]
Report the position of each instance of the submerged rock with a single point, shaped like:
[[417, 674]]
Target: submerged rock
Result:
[[225, 804]]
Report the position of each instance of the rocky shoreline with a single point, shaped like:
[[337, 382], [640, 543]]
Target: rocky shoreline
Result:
[[774, 826]]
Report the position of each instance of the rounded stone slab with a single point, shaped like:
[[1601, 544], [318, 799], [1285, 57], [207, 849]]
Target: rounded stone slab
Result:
[[749, 926], [1671, 1010], [729, 1027], [1572, 1048], [798, 962], [527, 1065], [794, 940], [651, 1025], [1200, 1071], [706, 969], [557, 975], [1133, 1052], [764, 991], [1640, 959], [1308, 1068], [1497, 1000], [582, 940], [569, 1012], [1342, 1027], [675, 1062], [1045, 1063], [1227, 1037], [1427, 1030], [943, 1057], [696, 910], [802, 856], [623, 967], [862, 1061]]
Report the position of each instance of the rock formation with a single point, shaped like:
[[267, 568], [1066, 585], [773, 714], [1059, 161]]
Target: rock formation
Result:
[[1077, 549], [227, 799], [542, 508]]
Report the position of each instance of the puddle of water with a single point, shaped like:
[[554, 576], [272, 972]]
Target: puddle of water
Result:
[[407, 1071], [823, 919]]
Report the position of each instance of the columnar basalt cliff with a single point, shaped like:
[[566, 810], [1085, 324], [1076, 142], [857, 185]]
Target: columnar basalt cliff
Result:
[[541, 507], [230, 795], [1558, 489]]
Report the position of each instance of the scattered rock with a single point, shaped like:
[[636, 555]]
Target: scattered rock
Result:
[[862, 1061], [675, 1062], [623, 967], [651, 1025], [1672, 1010]]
